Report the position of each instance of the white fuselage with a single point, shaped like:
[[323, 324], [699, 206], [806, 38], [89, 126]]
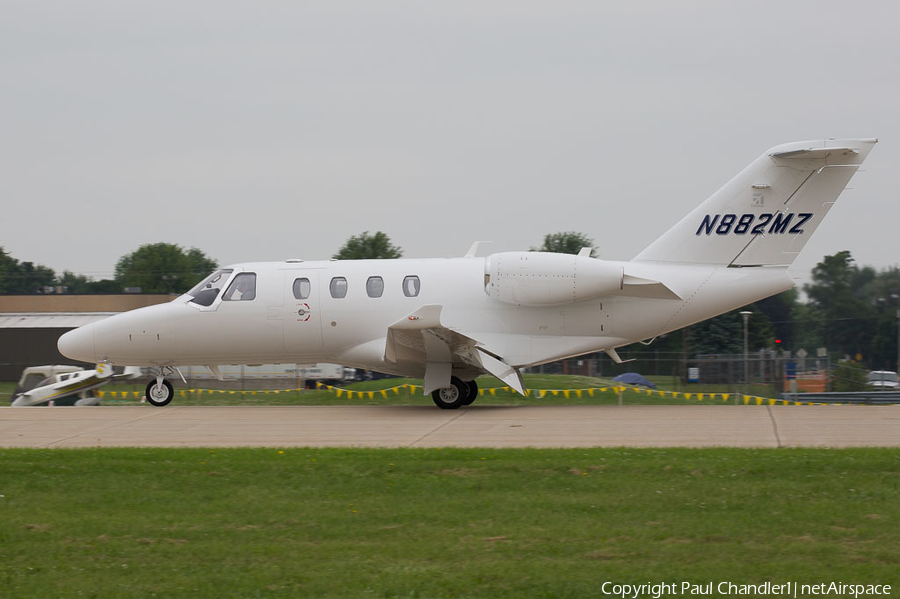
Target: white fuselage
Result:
[[275, 327]]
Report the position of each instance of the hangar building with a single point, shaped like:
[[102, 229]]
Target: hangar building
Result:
[[30, 325]]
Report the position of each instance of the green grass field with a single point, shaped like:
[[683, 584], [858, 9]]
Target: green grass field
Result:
[[439, 523]]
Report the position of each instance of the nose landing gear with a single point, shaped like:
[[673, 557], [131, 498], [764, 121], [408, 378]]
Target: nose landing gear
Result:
[[159, 392]]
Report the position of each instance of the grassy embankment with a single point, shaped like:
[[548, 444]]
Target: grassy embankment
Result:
[[439, 523]]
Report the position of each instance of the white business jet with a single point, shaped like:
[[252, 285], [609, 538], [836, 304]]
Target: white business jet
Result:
[[451, 320]]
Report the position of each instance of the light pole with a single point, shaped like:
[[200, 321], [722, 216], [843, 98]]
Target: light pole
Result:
[[746, 314], [898, 339]]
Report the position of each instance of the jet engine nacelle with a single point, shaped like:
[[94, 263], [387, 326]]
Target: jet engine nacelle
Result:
[[546, 279]]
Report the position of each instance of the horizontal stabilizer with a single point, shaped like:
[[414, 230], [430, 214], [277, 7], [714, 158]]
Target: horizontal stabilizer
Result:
[[813, 152], [640, 287]]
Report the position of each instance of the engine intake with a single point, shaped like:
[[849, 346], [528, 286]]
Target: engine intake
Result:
[[546, 279]]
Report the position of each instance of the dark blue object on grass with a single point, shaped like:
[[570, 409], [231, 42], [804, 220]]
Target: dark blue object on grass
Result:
[[633, 378]]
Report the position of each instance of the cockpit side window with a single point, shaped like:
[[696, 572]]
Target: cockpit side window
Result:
[[242, 288], [207, 290]]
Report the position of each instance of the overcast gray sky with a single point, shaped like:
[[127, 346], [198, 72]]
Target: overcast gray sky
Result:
[[273, 130]]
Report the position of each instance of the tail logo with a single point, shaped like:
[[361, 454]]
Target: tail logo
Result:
[[776, 223]]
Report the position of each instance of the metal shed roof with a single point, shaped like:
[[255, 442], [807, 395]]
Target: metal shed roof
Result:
[[49, 320]]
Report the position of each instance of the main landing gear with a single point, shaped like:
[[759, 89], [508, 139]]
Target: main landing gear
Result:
[[458, 394], [159, 392]]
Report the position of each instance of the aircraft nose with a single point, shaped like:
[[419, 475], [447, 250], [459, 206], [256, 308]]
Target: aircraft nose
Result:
[[78, 344]]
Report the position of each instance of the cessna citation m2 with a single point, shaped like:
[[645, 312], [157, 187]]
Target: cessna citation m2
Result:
[[451, 320]]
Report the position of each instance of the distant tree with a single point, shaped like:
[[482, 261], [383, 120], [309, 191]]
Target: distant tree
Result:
[[23, 277], [724, 334], [848, 376], [778, 309], [7, 267], [73, 283], [34, 277], [807, 329], [884, 296], [84, 285], [719, 335], [104, 286], [163, 268], [365, 246], [568, 242], [842, 305]]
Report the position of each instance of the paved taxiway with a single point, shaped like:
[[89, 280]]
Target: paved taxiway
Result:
[[476, 426]]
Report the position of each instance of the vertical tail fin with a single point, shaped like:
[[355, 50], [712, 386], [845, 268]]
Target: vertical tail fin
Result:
[[767, 213]]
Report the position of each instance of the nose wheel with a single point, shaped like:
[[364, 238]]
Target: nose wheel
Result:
[[159, 392]]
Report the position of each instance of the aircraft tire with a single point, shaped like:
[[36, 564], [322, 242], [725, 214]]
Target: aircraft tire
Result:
[[471, 392], [159, 396], [452, 397]]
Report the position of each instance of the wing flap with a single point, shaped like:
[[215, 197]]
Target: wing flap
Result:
[[503, 371], [421, 340]]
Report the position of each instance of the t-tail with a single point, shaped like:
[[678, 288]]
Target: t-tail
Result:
[[766, 214]]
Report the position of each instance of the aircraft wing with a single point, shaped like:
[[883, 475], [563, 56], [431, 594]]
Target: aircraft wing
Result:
[[74, 384], [421, 339]]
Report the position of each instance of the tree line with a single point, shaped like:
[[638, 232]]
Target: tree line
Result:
[[152, 268], [169, 268], [849, 309]]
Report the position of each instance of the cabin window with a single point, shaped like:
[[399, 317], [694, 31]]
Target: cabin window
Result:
[[375, 287], [301, 289], [338, 287], [207, 290], [242, 288], [411, 286]]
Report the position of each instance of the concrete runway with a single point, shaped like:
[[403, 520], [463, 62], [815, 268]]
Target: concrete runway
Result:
[[476, 426]]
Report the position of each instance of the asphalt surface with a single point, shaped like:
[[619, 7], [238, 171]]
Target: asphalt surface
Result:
[[475, 426]]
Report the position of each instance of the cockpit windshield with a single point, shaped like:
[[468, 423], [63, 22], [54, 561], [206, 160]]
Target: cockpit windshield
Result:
[[207, 290]]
